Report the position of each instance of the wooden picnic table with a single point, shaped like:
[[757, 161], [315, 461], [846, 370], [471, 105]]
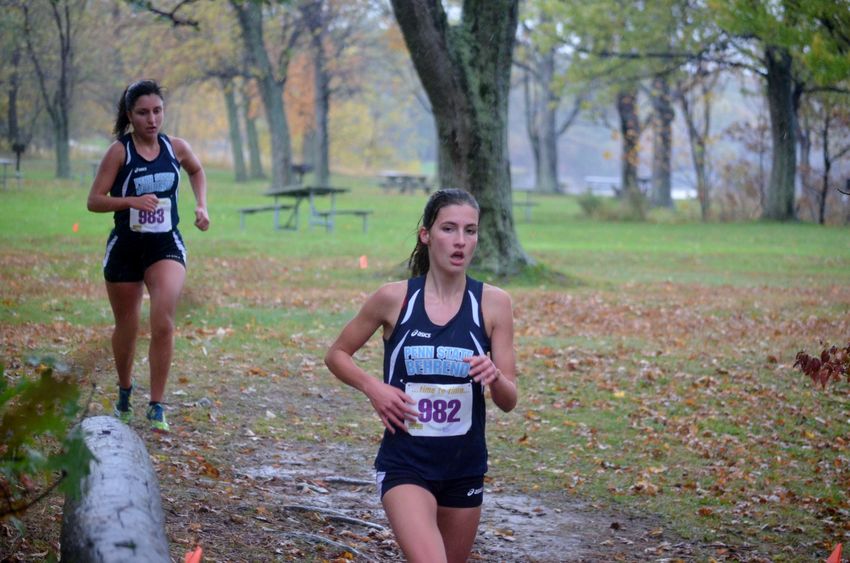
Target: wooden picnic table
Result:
[[404, 182], [298, 194]]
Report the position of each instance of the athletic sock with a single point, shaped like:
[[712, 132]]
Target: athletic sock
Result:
[[124, 398]]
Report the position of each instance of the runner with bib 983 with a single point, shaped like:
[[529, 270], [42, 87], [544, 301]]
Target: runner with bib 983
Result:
[[137, 181], [446, 337]]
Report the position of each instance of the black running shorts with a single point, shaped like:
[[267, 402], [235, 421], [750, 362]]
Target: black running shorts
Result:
[[464, 492], [128, 255]]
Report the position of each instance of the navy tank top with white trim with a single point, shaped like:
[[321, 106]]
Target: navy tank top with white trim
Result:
[[425, 360], [139, 176]]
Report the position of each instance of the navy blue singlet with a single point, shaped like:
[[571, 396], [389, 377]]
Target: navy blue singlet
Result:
[[426, 361], [139, 176]]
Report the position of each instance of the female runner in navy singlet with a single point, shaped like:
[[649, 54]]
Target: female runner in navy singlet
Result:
[[137, 181], [446, 337]]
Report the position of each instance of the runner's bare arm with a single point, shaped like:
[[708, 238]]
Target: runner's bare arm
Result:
[[380, 310], [197, 178], [500, 371]]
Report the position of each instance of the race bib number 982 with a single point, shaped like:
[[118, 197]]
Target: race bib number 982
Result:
[[444, 410], [156, 221]]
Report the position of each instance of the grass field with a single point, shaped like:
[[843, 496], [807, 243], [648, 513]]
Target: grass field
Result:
[[658, 380]]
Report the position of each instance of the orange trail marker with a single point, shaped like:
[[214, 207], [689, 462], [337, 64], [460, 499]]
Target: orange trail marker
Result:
[[194, 556], [76, 227], [364, 262], [836, 555]]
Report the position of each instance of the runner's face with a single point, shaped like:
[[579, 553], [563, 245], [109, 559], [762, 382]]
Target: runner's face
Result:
[[452, 238], [146, 115]]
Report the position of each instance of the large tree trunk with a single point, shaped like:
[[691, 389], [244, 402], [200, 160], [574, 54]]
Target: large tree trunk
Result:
[[630, 135], [118, 516], [229, 89], [250, 18], [662, 143], [780, 196], [465, 71]]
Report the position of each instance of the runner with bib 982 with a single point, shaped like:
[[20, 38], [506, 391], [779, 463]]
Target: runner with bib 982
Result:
[[446, 337], [137, 180]]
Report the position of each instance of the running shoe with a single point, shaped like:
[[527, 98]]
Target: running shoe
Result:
[[156, 417], [122, 409], [124, 416]]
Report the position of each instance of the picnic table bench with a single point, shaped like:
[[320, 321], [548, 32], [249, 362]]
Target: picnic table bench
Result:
[[276, 207], [300, 194], [404, 182]]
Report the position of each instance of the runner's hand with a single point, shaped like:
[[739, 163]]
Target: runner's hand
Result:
[[202, 220], [483, 370], [392, 405], [147, 202]]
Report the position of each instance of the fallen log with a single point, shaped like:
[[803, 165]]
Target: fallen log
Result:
[[118, 515]]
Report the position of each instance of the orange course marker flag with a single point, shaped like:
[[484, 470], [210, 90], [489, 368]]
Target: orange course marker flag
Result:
[[836, 555], [194, 556], [364, 262]]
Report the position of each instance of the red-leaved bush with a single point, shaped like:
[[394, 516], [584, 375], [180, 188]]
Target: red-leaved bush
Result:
[[832, 365]]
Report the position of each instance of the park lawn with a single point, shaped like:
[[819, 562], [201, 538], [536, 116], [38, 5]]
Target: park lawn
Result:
[[656, 376]]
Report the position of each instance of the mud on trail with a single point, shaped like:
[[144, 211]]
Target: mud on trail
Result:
[[247, 497], [322, 505]]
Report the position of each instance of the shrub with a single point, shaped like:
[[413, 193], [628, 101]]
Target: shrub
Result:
[[41, 447]]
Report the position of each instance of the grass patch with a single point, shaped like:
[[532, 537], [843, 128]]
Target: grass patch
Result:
[[654, 358]]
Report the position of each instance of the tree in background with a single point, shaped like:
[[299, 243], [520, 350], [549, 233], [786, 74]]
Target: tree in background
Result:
[[465, 70], [538, 56], [335, 31], [270, 78], [606, 37], [22, 110], [694, 92], [51, 34], [827, 122], [798, 45]]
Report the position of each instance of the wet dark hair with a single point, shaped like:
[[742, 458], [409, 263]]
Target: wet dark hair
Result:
[[419, 261], [128, 99]]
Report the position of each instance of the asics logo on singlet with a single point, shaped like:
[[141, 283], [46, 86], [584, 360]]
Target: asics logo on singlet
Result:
[[420, 334], [473, 492], [140, 169]]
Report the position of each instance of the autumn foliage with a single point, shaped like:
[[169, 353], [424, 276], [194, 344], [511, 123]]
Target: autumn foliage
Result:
[[833, 364]]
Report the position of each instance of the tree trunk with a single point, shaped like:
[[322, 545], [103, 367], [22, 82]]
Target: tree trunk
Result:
[[118, 516], [229, 89], [250, 18], [13, 133], [255, 161], [541, 123], [827, 167], [321, 91], [630, 134], [532, 106], [804, 168], [56, 85], [698, 140], [780, 196], [465, 70], [662, 143]]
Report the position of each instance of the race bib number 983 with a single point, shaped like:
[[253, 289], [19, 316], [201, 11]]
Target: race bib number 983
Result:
[[444, 410], [156, 221]]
